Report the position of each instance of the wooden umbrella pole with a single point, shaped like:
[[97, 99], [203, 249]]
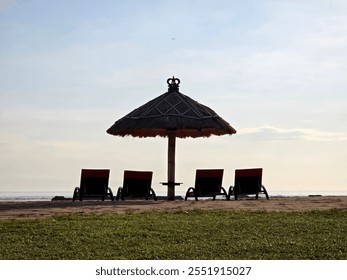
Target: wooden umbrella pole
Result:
[[171, 166]]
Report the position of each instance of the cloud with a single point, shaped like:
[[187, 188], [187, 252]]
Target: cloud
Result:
[[6, 4], [270, 133]]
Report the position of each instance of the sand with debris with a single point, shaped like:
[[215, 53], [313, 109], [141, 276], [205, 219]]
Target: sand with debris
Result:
[[41, 209]]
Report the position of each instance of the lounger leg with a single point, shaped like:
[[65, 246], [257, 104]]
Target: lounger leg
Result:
[[75, 193], [230, 192], [225, 193], [265, 192], [153, 193], [110, 193], [119, 191], [190, 192]]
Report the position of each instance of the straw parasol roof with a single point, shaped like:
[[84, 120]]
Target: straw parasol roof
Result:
[[171, 115], [171, 111]]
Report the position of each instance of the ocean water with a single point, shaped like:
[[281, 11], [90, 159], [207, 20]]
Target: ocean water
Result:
[[32, 196], [47, 196]]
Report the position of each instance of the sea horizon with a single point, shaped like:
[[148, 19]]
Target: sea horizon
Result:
[[47, 196]]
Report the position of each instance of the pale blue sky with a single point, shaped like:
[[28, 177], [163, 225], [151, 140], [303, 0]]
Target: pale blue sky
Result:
[[275, 70]]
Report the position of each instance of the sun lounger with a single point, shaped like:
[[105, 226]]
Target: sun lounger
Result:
[[248, 182], [208, 183], [93, 184], [136, 184]]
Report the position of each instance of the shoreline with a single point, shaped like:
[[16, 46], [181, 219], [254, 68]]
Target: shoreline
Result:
[[43, 209]]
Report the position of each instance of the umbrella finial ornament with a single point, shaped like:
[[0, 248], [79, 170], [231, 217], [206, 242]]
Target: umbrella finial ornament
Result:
[[173, 84]]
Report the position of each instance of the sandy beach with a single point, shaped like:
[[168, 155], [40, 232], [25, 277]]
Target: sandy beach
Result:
[[41, 209]]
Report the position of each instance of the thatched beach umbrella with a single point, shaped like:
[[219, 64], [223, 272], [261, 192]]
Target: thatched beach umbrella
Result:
[[171, 115]]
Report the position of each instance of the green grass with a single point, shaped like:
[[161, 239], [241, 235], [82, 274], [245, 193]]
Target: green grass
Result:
[[178, 235]]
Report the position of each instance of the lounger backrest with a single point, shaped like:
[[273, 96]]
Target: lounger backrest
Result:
[[94, 181], [208, 180], [248, 181], [137, 183]]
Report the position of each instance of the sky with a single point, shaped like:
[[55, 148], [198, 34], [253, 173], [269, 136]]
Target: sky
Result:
[[275, 70]]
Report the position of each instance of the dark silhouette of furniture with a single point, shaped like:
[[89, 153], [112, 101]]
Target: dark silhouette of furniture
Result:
[[93, 184], [136, 184], [208, 183], [248, 182]]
